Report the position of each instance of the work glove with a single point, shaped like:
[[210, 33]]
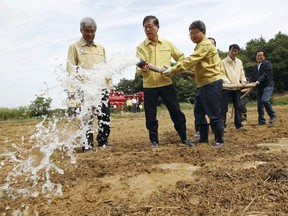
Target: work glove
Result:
[[167, 72]]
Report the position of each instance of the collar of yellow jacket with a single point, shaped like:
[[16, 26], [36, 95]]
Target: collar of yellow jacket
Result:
[[83, 42], [147, 41]]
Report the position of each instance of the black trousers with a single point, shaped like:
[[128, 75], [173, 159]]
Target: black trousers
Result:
[[235, 96], [209, 103], [168, 94], [103, 115]]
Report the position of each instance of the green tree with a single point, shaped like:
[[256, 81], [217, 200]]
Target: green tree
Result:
[[277, 52], [40, 106], [185, 88], [130, 86]]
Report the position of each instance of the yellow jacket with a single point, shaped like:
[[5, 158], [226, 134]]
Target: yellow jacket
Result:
[[85, 56], [160, 55], [205, 61]]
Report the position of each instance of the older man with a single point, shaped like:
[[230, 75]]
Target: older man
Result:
[[84, 54]]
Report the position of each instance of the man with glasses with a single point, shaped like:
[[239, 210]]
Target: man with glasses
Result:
[[208, 77], [159, 51], [84, 54]]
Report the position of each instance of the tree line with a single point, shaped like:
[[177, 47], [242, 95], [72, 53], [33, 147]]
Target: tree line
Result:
[[276, 50]]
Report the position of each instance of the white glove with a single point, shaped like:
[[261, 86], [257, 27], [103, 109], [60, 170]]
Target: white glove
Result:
[[167, 72]]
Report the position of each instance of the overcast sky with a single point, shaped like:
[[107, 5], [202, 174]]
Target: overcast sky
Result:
[[35, 34]]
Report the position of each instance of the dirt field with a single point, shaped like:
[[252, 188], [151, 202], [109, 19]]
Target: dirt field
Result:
[[248, 176]]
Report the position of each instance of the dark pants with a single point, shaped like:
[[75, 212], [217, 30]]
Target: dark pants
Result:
[[263, 101], [209, 99], [168, 94], [103, 115], [235, 96], [242, 106], [198, 121]]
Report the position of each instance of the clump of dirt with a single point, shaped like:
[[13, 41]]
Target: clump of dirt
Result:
[[248, 176]]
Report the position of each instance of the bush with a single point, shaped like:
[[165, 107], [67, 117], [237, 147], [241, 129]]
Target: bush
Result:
[[14, 113]]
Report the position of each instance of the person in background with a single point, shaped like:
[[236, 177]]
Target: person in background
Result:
[[134, 105], [208, 76], [159, 51], [73, 105], [213, 41], [263, 80], [232, 68], [138, 105], [129, 104], [85, 53]]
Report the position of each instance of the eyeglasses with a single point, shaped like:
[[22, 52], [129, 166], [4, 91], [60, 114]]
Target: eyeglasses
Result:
[[146, 27], [193, 33]]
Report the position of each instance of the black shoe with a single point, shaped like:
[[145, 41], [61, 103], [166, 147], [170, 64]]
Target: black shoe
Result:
[[261, 123], [199, 141], [242, 128], [272, 120], [188, 143], [104, 145], [154, 144], [217, 144], [87, 148]]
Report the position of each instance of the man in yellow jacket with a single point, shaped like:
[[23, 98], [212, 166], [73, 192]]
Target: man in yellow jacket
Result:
[[208, 76], [84, 54], [158, 51]]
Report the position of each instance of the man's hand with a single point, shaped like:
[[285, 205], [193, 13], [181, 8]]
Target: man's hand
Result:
[[167, 72], [243, 84], [145, 68], [255, 83]]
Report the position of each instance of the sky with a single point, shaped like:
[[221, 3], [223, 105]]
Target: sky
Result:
[[35, 34]]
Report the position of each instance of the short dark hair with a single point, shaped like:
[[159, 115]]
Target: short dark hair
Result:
[[151, 17], [210, 38], [199, 25], [261, 50], [234, 46]]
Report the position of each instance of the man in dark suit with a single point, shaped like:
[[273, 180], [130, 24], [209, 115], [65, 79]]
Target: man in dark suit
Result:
[[263, 79]]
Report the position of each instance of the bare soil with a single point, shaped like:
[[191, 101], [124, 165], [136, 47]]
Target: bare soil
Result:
[[248, 176]]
